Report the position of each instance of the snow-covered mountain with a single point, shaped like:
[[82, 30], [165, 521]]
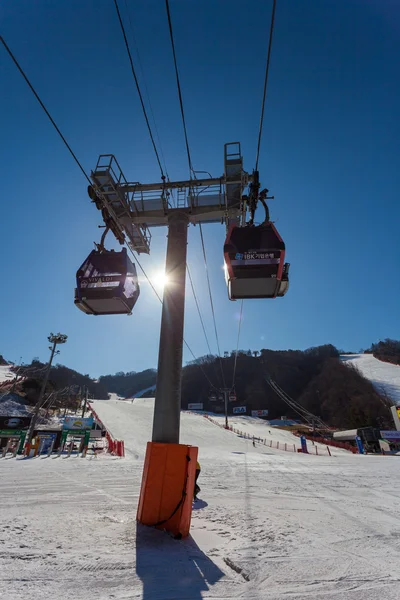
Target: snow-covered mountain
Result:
[[384, 376]]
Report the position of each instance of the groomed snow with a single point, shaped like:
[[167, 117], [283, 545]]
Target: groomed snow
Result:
[[270, 525], [384, 376]]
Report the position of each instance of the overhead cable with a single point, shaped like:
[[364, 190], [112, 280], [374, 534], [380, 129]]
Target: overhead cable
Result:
[[271, 31], [45, 109], [198, 308], [81, 168], [212, 305], [237, 344], [171, 34], [138, 88]]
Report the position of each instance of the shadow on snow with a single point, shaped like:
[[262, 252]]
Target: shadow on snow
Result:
[[172, 569]]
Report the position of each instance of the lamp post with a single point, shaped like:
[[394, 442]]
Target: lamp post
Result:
[[55, 339]]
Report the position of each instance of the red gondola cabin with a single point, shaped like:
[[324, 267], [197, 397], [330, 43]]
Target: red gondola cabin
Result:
[[255, 262]]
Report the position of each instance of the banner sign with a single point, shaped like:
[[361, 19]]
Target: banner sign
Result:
[[360, 446], [11, 432], [46, 439], [77, 423], [303, 442], [14, 422], [103, 281], [239, 410], [195, 406], [259, 413], [398, 411], [390, 435], [76, 432], [256, 258]]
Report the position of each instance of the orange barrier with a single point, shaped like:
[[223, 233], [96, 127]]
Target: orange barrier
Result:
[[167, 490]]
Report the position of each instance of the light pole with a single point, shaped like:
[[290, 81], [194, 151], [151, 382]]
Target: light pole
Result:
[[85, 402], [226, 392], [58, 338]]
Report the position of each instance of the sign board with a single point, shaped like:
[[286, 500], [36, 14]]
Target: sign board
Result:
[[11, 432], [15, 422], [390, 435], [46, 439], [76, 432], [239, 410], [259, 413], [78, 423], [195, 406], [95, 433], [395, 413]]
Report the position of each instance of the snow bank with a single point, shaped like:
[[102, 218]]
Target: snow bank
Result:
[[11, 406]]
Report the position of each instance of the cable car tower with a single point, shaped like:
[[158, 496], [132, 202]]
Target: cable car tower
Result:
[[254, 255], [107, 284]]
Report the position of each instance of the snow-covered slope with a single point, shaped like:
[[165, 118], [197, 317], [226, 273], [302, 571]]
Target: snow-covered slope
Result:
[[384, 376], [140, 393], [132, 422], [5, 373], [261, 429], [269, 526]]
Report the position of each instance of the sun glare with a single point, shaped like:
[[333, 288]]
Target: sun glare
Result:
[[160, 279]]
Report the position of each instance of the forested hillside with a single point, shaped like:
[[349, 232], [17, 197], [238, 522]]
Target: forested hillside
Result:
[[388, 351], [60, 377], [316, 378], [128, 384]]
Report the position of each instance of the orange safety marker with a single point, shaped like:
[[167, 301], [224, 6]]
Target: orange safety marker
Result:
[[167, 490]]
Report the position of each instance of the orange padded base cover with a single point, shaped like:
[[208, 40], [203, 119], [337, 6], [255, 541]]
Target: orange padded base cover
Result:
[[168, 481]]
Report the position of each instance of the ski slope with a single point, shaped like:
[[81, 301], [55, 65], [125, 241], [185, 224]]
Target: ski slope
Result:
[[195, 430], [270, 525], [384, 376], [259, 428], [5, 373]]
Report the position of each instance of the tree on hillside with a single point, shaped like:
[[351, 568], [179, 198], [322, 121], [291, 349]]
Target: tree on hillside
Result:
[[127, 384], [387, 351]]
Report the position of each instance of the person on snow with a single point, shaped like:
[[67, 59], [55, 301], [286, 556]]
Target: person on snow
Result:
[[196, 486]]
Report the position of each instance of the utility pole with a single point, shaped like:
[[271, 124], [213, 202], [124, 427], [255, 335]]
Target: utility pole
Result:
[[226, 393], [85, 403], [166, 422], [54, 339]]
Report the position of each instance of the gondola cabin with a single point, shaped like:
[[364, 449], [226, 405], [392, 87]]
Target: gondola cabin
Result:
[[107, 284], [255, 262]]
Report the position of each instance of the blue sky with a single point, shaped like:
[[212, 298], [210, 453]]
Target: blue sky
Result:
[[330, 155]]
